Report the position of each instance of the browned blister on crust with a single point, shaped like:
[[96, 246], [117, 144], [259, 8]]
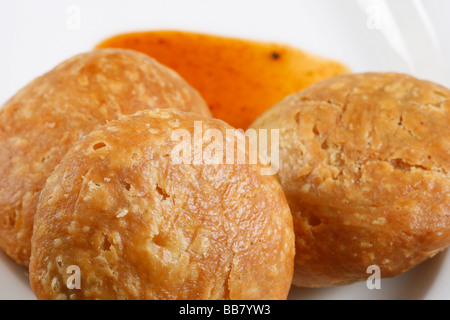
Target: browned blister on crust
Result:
[[364, 164], [141, 226], [43, 120]]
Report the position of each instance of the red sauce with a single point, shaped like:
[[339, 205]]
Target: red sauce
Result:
[[239, 79]]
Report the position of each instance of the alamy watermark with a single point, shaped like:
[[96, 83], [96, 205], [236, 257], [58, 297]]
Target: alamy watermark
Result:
[[211, 147], [373, 281], [73, 21], [74, 280]]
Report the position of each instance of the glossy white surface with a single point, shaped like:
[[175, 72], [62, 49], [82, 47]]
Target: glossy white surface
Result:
[[368, 35]]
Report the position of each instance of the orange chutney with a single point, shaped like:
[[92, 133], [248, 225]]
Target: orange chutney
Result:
[[239, 79]]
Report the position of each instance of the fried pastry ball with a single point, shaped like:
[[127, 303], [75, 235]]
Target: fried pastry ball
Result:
[[364, 164], [43, 120], [140, 225]]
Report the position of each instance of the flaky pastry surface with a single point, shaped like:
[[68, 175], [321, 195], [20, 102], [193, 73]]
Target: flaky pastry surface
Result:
[[140, 226], [43, 120], [364, 164]]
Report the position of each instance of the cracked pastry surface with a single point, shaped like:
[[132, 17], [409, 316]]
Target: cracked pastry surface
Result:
[[364, 164], [140, 226], [43, 120]]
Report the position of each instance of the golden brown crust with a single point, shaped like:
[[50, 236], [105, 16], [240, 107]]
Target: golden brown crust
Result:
[[364, 164], [141, 227], [43, 120]]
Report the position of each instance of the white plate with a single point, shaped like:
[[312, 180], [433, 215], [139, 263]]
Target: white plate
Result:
[[367, 35]]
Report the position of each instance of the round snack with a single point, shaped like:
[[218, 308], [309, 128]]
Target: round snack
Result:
[[364, 164], [43, 120], [140, 226]]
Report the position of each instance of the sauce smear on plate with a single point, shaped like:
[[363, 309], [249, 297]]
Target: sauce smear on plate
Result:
[[239, 79]]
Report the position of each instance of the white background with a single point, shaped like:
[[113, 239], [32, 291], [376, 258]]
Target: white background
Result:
[[409, 36]]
